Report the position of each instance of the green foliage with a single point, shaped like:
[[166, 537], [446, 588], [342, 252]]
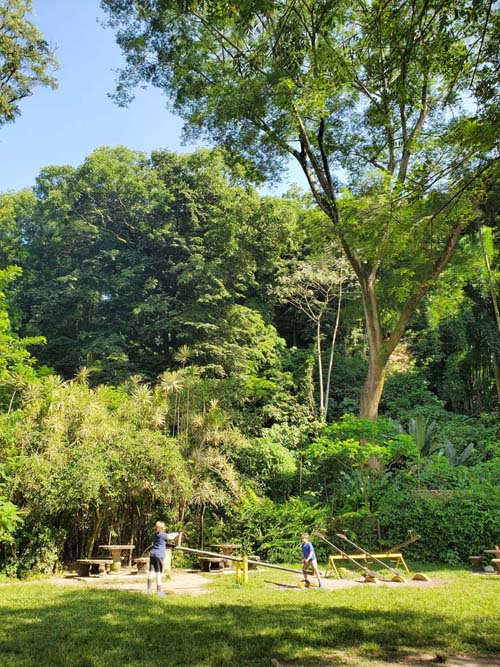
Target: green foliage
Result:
[[376, 90], [407, 394], [360, 527], [10, 516], [460, 365], [271, 466], [85, 460], [352, 458], [26, 60], [16, 363], [272, 530], [37, 550], [167, 266], [453, 524], [129, 257]]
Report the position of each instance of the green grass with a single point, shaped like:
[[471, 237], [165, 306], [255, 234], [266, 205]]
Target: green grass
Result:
[[47, 625]]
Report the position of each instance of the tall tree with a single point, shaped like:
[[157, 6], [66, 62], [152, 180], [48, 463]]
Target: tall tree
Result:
[[311, 289], [26, 60], [128, 257], [395, 96]]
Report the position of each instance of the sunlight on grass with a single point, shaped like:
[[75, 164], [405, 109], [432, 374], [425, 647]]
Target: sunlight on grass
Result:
[[47, 625]]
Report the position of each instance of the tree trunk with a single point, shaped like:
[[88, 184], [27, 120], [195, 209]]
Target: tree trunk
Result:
[[371, 392], [202, 526], [320, 372], [496, 370], [332, 349], [99, 521], [379, 352]]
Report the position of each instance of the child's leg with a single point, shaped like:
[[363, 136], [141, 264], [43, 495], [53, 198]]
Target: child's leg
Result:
[[151, 576], [305, 567], [158, 582], [314, 564]]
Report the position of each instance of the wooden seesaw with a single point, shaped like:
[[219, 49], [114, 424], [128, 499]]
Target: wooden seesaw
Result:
[[370, 576], [241, 563], [396, 576]]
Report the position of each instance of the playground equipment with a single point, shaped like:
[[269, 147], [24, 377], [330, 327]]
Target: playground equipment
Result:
[[410, 540], [241, 563], [370, 576], [396, 576]]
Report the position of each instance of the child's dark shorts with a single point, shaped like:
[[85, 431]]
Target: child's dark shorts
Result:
[[155, 564]]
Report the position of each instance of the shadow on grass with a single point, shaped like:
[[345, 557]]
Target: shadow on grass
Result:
[[93, 628]]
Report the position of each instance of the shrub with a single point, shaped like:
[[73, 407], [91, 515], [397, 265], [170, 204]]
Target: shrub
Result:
[[408, 394], [272, 530], [453, 524]]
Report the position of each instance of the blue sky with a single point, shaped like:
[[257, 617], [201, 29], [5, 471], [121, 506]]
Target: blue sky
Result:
[[65, 125]]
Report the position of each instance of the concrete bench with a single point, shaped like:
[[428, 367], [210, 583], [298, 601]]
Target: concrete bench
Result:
[[210, 564], [88, 566]]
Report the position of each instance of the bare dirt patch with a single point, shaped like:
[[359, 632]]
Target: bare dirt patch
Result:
[[190, 582], [193, 582], [338, 584]]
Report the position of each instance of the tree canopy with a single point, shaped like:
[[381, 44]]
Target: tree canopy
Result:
[[393, 99], [26, 60]]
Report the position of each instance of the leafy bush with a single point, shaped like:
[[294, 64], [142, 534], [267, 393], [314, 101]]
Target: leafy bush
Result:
[[37, 550], [453, 524], [360, 527], [272, 530], [350, 458], [270, 465], [406, 395], [10, 515]]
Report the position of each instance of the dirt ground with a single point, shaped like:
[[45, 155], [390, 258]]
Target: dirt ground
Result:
[[193, 582]]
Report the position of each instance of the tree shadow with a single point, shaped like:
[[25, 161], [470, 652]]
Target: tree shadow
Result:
[[94, 628]]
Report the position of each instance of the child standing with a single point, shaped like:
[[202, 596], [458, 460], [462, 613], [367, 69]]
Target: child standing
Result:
[[157, 555], [309, 558]]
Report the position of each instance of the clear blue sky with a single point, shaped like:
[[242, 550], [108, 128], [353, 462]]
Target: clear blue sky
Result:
[[65, 125]]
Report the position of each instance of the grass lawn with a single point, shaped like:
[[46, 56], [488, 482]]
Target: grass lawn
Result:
[[45, 625]]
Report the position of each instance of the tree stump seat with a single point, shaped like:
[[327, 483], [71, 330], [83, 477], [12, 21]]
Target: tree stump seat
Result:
[[496, 563], [210, 564], [141, 564], [88, 566], [253, 566], [477, 561]]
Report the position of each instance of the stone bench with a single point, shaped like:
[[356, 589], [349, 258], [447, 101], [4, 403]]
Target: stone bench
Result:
[[98, 566], [210, 564]]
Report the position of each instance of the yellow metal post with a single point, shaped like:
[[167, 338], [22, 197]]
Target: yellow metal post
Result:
[[241, 567], [244, 567]]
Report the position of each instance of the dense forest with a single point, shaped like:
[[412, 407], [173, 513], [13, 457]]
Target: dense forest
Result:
[[174, 344]]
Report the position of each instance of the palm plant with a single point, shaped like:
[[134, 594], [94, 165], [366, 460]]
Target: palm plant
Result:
[[421, 430], [454, 458]]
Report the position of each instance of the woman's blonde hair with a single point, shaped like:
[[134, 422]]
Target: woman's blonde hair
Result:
[[160, 527]]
